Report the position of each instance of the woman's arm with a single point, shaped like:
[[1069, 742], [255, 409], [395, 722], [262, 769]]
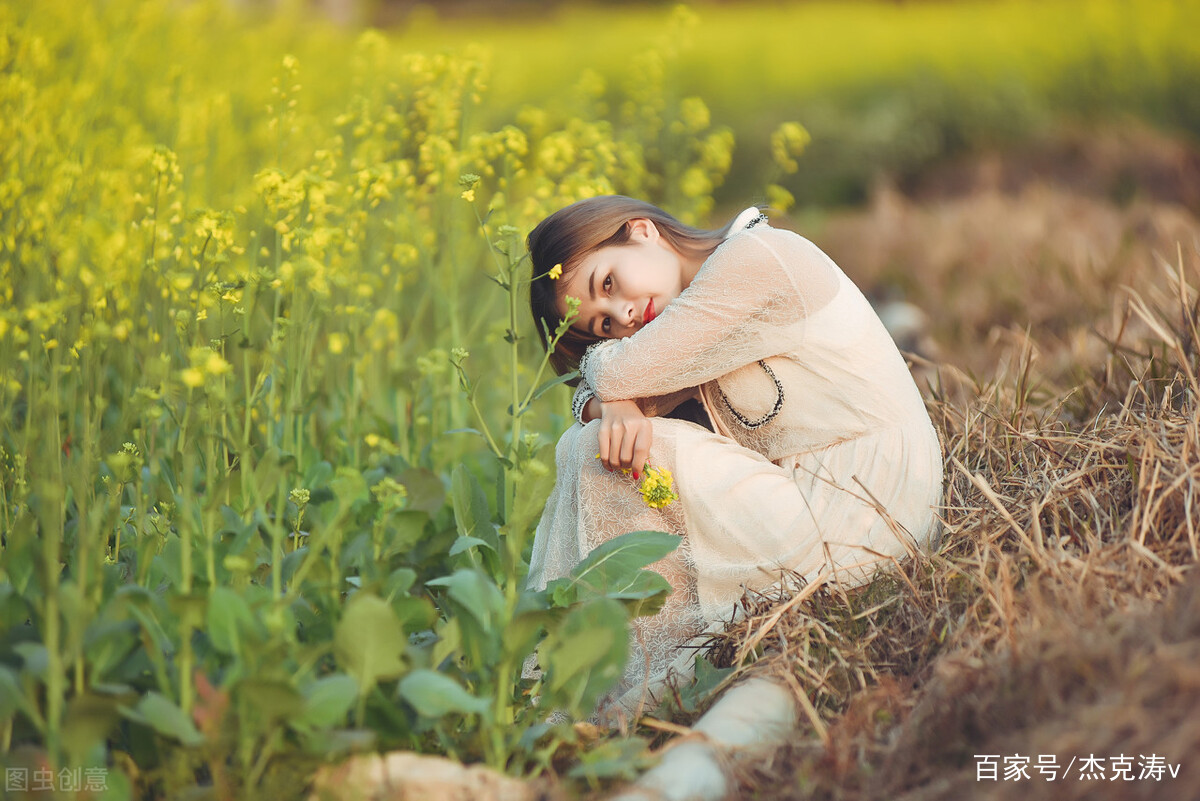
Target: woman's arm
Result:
[[625, 434], [748, 302], [585, 405]]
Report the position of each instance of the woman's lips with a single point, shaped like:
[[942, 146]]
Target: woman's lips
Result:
[[649, 315]]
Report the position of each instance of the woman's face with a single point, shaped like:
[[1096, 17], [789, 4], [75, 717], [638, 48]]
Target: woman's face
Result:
[[622, 288]]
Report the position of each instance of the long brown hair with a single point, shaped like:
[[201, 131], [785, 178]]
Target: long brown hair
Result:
[[571, 233]]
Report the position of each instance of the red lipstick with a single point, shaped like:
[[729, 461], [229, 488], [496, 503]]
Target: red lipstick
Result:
[[649, 313]]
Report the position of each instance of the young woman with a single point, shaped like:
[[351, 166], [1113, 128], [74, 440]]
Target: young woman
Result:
[[813, 453]]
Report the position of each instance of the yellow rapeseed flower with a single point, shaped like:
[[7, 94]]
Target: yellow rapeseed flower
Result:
[[215, 364], [193, 377], [469, 195], [658, 487], [555, 272]]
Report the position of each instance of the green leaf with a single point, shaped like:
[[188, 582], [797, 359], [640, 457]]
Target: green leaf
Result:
[[162, 715], [273, 698], [89, 719], [348, 487], [11, 697], [369, 641], [645, 595], [449, 640], [399, 581], [406, 529], [532, 491], [318, 475], [435, 694], [106, 643], [614, 569], [229, 618], [475, 593], [620, 758], [585, 655], [465, 543], [553, 382], [425, 490], [471, 509], [35, 657], [475, 600]]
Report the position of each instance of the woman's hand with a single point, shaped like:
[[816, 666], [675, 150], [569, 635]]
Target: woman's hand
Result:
[[625, 436]]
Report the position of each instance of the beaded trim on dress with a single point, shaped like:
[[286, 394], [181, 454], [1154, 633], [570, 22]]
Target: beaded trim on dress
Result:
[[744, 224]]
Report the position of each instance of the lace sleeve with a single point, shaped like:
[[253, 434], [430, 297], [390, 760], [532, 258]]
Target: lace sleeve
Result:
[[655, 406], [748, 302], [583, 394]]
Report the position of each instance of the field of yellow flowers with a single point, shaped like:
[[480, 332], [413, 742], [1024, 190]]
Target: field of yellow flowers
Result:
[[274, 428]]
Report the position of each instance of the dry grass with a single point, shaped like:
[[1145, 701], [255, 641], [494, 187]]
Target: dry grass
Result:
[[1061, 613]]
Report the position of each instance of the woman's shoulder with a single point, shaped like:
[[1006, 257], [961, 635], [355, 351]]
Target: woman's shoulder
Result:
[[763, 240]]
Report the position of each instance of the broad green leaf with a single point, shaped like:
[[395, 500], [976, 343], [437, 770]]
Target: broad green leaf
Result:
[[475, 593], [154, 631], [11, 697], [270, 470], [405, 529], [614, 568], [89, 719], [551, 383], [521, 634], [162, 715], [399, 581], [106, 643], [328, 700], [415, 613], [425, 490], [645, 595], [369, 641], [585, 655], [273, 698], [332, 743], [475, 600], [435, 694], [232, 520], [448, 643], [619, 758], [465, 543], [533, 489], [348, 487], [576, 654], [318, 475], [471, 509], [35, 657], [13, 611], [229, 618], [191, 606]]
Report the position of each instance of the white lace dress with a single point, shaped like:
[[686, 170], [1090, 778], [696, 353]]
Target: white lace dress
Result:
[[823, 461]]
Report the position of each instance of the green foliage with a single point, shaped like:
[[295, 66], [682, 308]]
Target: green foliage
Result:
[[271, 449]]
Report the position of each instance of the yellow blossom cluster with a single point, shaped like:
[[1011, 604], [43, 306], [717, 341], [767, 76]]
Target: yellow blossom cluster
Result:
[[657, 487], [273, 225]]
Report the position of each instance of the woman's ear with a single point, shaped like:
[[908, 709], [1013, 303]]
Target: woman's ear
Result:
[[642, 230]]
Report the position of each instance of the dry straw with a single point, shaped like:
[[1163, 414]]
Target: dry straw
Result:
[[1067, 516]]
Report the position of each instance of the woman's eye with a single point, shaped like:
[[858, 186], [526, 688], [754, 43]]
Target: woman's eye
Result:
[[608, 282], [606, 325]]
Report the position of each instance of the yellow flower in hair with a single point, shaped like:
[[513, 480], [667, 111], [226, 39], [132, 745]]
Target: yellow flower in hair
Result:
[[555, 272]]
